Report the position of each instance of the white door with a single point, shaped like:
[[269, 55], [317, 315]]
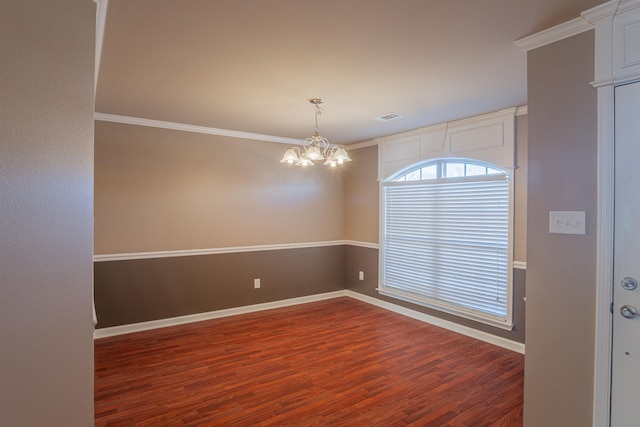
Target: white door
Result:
[[625, 385]]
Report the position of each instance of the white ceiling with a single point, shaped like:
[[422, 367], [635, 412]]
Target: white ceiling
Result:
[[252, 65]]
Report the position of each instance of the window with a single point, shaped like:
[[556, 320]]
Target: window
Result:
[[446, 239]]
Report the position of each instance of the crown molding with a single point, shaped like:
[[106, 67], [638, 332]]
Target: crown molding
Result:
[[138, 121], [114, 118], [601, 12], [362, 144], [609, 9], [554, 34], [585, 22], [523, 110], [517, 111]]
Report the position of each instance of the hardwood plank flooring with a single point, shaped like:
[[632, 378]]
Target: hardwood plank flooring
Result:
[[339, 362]]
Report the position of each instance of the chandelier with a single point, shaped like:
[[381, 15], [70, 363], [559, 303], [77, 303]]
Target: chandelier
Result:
[[316, 148]]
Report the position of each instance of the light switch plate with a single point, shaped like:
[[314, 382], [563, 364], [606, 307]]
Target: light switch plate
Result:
[[566, 222]]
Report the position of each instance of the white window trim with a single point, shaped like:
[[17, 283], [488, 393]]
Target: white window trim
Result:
[[489, 138]]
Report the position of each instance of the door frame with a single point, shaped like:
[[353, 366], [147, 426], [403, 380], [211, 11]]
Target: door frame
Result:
[[616, 25]]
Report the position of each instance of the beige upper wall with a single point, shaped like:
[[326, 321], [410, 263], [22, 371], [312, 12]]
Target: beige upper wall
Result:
[[520, 197], [160, 190], [362, 196], [561, 275], [46, 164]]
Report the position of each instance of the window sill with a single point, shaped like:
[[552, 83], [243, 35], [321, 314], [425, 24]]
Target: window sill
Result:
[[497, 323]]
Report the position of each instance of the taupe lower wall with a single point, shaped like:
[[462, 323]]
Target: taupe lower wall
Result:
[[561, 276], [46, 218], [366, 260], [149, 289]]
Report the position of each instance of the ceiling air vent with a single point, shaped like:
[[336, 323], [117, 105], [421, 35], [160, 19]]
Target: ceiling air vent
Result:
[[387, 117]]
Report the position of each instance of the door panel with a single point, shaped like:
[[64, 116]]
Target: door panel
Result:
[[625, 391]]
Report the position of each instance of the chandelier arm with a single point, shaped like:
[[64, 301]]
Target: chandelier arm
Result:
[[328, 149], [308, 142], [316, 147]]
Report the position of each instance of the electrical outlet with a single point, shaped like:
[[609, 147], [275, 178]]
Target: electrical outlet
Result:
[[360, 275], [256, 283]]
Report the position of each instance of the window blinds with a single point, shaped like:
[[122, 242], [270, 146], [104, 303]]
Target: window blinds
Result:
[[446, 243]]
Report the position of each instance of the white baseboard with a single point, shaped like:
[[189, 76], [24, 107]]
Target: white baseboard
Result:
[[436, 321], [181, 320]]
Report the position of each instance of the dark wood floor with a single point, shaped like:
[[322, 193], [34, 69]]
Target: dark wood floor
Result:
[[338, 362]]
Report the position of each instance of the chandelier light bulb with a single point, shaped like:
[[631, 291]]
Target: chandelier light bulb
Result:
[[290, 156]]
